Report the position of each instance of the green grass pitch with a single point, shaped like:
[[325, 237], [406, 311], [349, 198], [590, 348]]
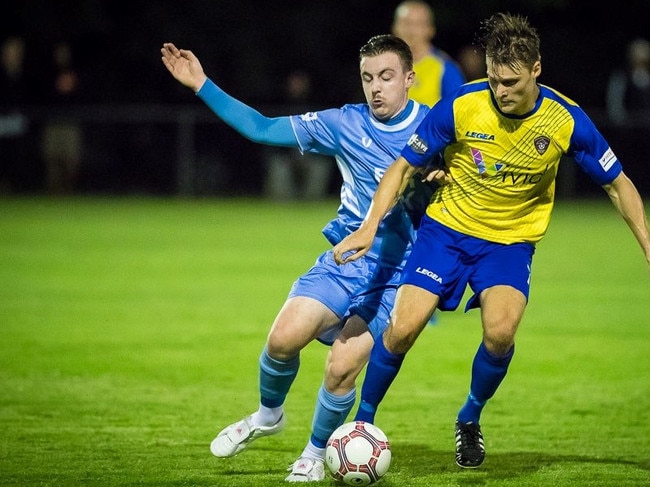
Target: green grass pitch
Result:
[[131, 328]]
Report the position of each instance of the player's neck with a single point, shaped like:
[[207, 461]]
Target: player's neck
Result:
[[420, 51]]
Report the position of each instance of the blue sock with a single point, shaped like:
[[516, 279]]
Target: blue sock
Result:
[[380, 373], [488, 371], [330, 413], [276, 377]]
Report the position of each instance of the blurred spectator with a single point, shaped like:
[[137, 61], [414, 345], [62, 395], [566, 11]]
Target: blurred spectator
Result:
[[472, 62], [436, 73], [290, 174], [628, 90], [14, 89], [62, 134], [12, 74]]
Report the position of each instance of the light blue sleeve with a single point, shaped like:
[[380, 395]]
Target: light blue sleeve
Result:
[[246, 120]]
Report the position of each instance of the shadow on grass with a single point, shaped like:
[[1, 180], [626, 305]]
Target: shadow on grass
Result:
[[421, 461]]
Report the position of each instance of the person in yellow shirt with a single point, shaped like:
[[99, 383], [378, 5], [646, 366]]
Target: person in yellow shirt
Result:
[[503, 138]]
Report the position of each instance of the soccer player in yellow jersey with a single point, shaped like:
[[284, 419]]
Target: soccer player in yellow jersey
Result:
[[436, 73], [502, 139]]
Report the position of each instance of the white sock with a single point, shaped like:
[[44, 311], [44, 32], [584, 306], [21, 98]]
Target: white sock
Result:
[[267, 416], [313, 452]]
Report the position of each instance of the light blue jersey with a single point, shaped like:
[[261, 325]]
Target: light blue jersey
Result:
[[364, 148]]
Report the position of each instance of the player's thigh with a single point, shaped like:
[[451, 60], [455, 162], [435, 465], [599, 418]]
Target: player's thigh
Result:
[[502, 308], [412, 311], [300, 320]]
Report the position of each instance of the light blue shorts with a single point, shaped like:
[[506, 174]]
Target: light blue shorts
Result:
[[363, 287], [445, 262]]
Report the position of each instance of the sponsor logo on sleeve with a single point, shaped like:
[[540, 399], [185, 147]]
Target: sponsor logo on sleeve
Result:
[[608, 159], [417, 144]]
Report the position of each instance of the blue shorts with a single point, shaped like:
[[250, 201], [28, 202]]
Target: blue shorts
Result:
[[445, 262], [363, 287]]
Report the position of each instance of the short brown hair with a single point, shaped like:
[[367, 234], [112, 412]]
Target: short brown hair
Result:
[[382, 43], [510, 40]]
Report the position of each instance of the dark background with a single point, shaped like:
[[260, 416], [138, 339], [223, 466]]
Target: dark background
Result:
[[248, 46]]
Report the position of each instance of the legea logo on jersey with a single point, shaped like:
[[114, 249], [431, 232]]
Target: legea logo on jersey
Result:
[[416, 143], [309, 117], [479, 135]]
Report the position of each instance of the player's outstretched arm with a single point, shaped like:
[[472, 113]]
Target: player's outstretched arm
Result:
[[390, 188], [184, 66], [628, 202]]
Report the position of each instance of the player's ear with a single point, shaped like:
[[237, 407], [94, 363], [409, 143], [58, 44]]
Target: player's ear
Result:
[[410, 78], [537, 69]]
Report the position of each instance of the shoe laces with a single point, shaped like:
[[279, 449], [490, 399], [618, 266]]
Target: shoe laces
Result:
[[470, 436]]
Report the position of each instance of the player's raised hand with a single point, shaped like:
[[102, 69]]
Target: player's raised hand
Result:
[[183, 65]]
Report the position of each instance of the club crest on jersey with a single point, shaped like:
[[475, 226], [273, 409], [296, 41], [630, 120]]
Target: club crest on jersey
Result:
[[541, 144], [416, 143]]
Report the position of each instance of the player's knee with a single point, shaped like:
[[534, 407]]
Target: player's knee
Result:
[[499, 340], [338, 378], [400, 339], [282, 347]]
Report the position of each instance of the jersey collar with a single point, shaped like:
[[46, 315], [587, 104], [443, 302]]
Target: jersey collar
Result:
[[400, 121]]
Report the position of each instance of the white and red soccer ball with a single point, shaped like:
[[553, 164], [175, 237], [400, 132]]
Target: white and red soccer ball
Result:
[[358, 453]]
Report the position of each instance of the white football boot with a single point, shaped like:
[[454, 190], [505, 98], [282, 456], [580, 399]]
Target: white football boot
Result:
[[235, 438], [306, 470]]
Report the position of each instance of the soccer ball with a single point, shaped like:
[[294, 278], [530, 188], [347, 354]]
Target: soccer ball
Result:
[[358, 453]]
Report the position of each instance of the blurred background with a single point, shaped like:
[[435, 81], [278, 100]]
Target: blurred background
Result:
[[86, 106]]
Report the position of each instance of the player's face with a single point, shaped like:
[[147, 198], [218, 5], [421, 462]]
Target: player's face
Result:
[[413, 24], [385, 84], [515, 88]]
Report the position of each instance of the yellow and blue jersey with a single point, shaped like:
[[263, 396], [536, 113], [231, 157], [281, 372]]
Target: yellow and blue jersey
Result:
[[436, 76], [504, 166]]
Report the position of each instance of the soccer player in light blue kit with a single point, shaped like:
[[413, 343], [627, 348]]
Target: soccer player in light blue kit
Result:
[[346, 307], [503, 139]]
